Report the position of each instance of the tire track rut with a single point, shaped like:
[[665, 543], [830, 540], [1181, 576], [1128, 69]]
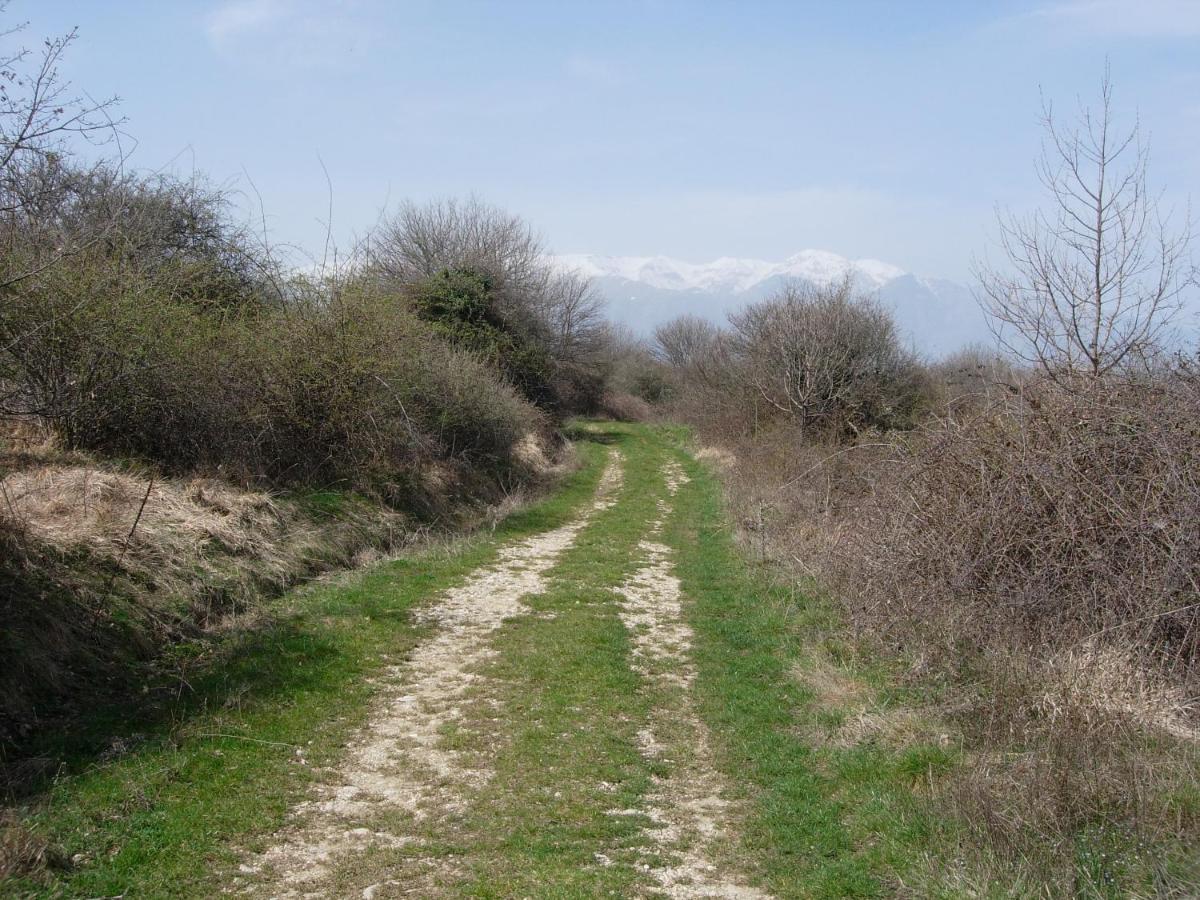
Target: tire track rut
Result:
[[687, 807]]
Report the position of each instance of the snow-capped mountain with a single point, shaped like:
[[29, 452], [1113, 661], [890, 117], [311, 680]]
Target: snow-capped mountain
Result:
[[938, 316], [730, 274]]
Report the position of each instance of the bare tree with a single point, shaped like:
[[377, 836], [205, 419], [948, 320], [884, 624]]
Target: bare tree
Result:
[[574, 315], [38, 109], [1094, 279], [40, 113], [689, 344], [419, 241]]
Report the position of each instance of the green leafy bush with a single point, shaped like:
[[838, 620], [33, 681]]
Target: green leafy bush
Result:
[[463, 307]]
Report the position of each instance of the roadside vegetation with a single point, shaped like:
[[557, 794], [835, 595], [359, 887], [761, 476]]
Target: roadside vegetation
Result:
[[1015, 530], [180, 788]]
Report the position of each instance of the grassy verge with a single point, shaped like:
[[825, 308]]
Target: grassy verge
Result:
[[166, 809], [825, 817]]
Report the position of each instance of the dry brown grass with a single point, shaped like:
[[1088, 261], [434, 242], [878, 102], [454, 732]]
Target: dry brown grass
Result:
[[22, 852], [719, 458], [86, 506], [1095, 680], [853, 713], [181, 534], [104, 567]]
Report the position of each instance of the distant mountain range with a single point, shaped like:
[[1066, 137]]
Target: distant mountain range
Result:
[[936, 315]]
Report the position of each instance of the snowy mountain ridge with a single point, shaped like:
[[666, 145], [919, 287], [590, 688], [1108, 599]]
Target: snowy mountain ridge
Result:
[[935, 315], [730, 274]]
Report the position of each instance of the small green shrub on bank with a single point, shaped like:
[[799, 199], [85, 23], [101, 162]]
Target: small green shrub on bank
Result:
[[461, 306]]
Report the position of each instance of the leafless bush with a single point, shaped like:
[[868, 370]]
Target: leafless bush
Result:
[[625, 407], [825, 358], [704, 387], [1056, 516], [690, 344], [821, 358], [573, 313], [633, 368], [1041, 555], [539, 318], [422, 240], [973, 376]]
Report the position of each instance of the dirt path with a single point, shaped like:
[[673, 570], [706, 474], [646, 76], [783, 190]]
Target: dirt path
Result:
[[686, 806], [400, 762], [383, 821]]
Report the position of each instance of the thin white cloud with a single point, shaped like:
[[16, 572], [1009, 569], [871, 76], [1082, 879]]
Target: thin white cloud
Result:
[[1125, 18], [237, 18], [291, 33]]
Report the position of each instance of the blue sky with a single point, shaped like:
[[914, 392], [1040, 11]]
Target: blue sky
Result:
[[693, 129]]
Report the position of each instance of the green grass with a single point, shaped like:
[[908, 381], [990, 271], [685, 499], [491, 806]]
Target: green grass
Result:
[[166, 813], [821, 821]]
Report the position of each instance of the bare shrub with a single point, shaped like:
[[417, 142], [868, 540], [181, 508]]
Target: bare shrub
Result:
[[419, 241], [792, 493], [821, 358], [826, 358], [704, 384], [632, 367], [573, 312], [689, 343], [544, 328], [1032, 556], [1055, 515], [973, 376], [1042, 552], [625, 408]]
